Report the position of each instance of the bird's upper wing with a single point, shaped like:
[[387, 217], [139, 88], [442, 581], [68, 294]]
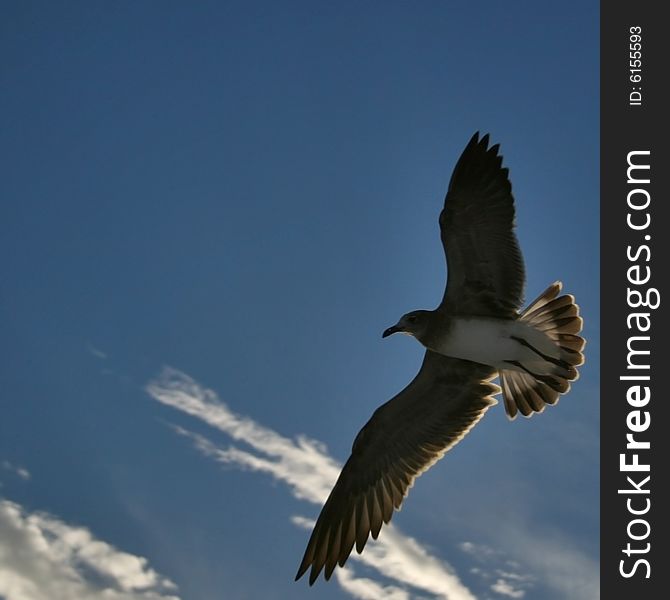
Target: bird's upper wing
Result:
[[403, 438], [485, 266]]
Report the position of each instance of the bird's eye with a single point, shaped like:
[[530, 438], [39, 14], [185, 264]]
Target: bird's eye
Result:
[[412, 318]]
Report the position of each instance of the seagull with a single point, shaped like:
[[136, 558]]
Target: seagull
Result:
[[475, 335]]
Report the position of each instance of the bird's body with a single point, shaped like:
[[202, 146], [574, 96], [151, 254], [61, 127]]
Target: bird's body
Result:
[[476, 333], [495, 342]]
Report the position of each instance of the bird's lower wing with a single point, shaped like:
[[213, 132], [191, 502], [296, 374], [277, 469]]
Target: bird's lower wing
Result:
[[403, 438]]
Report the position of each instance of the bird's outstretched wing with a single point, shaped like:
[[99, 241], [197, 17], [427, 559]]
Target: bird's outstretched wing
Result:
[[403, 438], [485, 267]]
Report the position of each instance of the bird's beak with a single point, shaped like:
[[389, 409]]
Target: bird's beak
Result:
[[391, 331]]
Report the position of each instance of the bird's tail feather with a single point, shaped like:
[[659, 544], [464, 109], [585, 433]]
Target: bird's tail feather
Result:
[[557, 317]]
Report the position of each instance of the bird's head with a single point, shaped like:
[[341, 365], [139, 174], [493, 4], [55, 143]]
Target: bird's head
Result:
[[415, 323]]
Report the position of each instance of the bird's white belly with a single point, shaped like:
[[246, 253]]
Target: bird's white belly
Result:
[[490, 342]]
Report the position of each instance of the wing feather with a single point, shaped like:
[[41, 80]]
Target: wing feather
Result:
[[485, 267], [403, 438]]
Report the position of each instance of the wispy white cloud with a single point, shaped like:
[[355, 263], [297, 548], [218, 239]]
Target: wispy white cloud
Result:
[[22, 472], [498, 568], [96, 352], [503, 587], [534, 562], [44, 558], [480, 551], [365, 588], [310, 473], [564, 569], [549, 559]]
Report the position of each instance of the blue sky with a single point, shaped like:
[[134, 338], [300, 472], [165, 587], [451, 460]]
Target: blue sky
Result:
[[239, 197]]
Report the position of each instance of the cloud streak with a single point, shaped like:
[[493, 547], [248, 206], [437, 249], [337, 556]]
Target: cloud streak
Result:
[[44, 558], [552, 565], [563, 569], [507, 582], [22, 472], [310, 473]]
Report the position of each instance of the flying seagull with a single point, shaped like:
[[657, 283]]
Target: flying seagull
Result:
[[476, 334]]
